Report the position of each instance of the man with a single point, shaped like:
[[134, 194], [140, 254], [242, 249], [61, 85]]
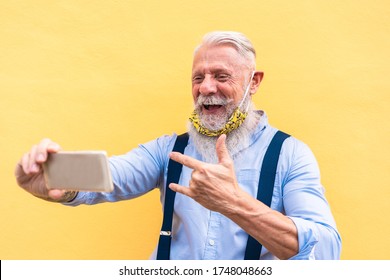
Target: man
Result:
[[215, 208]]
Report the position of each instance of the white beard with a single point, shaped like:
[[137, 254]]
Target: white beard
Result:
[[236, 141], [214, 121]]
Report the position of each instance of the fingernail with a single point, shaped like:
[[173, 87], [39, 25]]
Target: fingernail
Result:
[[41, 157], [34, 168], [54, 146]]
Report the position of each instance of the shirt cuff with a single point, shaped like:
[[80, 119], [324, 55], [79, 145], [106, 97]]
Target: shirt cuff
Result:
[[307, 239]]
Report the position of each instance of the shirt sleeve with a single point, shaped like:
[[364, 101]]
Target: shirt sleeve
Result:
[[133, 174], [305, 204]]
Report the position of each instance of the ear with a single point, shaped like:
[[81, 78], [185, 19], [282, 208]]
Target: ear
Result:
[[256, 80]]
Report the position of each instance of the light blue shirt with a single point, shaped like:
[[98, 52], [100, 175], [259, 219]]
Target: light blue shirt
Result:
[[198, 233]]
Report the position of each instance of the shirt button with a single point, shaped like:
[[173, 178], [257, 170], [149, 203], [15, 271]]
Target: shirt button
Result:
[[211, 242]]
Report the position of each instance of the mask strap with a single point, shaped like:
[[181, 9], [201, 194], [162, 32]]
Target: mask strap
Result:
[[246, 92]]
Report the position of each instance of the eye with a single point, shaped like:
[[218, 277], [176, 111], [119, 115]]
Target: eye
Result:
[[222, 77], [197, 79]]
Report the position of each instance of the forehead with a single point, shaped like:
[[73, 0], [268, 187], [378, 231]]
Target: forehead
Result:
[[217, 58]]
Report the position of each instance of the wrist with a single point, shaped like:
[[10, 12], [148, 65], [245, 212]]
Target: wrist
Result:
[[68, 196]]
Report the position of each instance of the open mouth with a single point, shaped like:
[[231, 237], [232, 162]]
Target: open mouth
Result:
[[212, 107]]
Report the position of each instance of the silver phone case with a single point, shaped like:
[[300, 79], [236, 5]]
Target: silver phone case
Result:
[[80, 170]]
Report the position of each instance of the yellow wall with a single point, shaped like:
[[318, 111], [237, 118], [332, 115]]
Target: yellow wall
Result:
[[112, 74]]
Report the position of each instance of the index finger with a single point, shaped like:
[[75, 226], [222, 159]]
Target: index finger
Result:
[[44, 147], [186, 160]]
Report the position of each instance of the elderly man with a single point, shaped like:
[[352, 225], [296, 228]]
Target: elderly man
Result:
[[218, 208]]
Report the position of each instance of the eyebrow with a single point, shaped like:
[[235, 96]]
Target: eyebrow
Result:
[[216, 70]]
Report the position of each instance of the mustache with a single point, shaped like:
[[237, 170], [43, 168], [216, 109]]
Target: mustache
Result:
[[212, 100]]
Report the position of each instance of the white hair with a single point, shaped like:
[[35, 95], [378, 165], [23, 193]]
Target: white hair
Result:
[[235, 39]]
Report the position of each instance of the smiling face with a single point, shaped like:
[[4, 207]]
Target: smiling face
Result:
[[219, 78]]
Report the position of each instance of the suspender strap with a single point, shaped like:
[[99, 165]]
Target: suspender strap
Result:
[[174, 171], [266, 186]]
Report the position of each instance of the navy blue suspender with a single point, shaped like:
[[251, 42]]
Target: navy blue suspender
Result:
[[266, 187], [264, 193], [174, 172]]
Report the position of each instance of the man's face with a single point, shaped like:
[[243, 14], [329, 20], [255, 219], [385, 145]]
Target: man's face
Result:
[[219, 78]]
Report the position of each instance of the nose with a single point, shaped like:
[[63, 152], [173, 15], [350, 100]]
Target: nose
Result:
[[208, 86]]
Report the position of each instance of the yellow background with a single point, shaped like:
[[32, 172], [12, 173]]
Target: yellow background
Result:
[[108, 75]]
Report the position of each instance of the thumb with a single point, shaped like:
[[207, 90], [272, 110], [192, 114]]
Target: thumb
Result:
[[222, 151]]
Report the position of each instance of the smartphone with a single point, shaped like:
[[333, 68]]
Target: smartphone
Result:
[[78, 170]]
